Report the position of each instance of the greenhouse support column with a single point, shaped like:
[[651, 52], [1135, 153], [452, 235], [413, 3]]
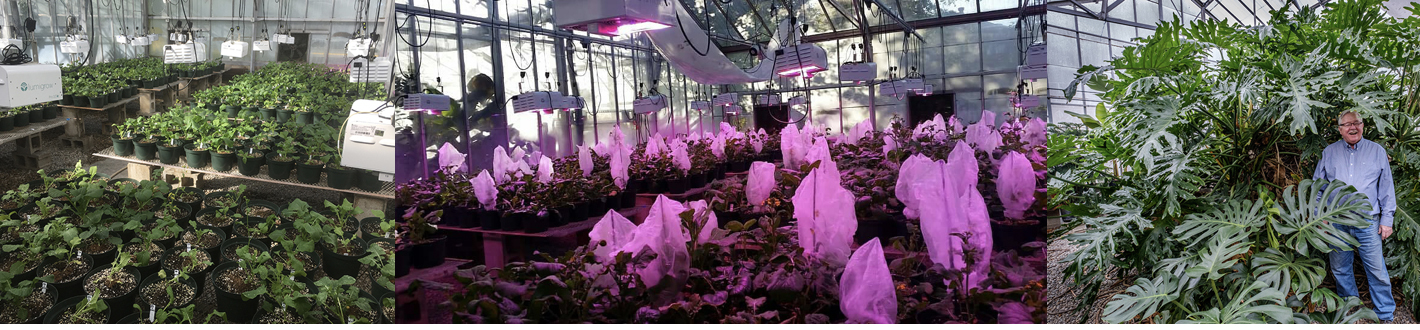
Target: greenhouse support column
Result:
[[592, 77], [867, 57], [466, 126], [559, 52], [500, 115]]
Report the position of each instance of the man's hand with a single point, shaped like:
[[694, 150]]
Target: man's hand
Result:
[[1385, 232]]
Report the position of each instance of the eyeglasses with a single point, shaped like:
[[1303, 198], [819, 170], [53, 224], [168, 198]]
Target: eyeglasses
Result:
[[1352, 124]]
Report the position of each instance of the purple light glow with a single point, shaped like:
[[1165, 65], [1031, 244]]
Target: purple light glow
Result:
[[625, 29], [795, 72]]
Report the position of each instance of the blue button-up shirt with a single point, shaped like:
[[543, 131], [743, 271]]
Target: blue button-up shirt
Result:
[[1365, 167]]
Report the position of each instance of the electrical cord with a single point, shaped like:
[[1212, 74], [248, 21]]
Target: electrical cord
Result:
[[16, 57], [697, 50]]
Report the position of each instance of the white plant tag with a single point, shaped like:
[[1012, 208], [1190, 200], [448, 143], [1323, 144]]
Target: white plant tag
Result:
[[43, 287], [350, 319], [152, 310], [189, 247], [80, 255]]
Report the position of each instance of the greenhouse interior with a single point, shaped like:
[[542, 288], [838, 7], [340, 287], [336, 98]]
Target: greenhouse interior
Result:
[[725, 161], [194, 162]]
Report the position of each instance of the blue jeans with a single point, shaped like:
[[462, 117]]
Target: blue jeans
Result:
[[1374, 261]]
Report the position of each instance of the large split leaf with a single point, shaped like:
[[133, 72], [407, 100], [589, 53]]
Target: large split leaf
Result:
[[1228, 243], [1142, 299], [1280, 270], [1242, 215], [1350, 312], [1246, 308], [1308, 212]]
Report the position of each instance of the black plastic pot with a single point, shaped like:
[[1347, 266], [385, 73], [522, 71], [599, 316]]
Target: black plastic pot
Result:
[[193, 205], [72, 287], [628, 200], [402, 262], [513, 221], [677, 186], [596, 207], [340, 178], [428, 254], [278, 169], [198, 277], [368, 236], [7, 123], [368, 180], [223, 162], [457, 216], [22, 119], [234, 304], [58, 311], [232, 111], [195, 159], [305, 117], [283, 115], [490, 220], [37, 317], [122, 304], [250, 166], [537, 223], [145, 151], [236, 243], [155, 262], [338, 265], [169, 155], [36, 116], [724, 218], [261, 202], [308, 174], [580, 211], [697, 180], [98, 102], [565, 214], [267, 114], [121, 146], [153, 279]]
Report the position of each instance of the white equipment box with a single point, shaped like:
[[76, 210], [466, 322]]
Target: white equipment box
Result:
[[185, 53], [369, 140], [283, 38], [27, 84], [568, 102], [857, 72], [261, 46], [800, 59], [234, 48], [612, 17], [731, 110], [648, 104], [700, 105], [767, 99], [1035, 54], [901, 87], [79, 46], [358, 47], [141, 40], [434, 102], [534, 101], [363, 70], [726, 99]]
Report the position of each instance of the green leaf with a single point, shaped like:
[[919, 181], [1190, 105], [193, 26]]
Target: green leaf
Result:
[[1306, 213], [1280, 270], [1142, 299], [1246, 308], [1228, 243], [1239, 214]]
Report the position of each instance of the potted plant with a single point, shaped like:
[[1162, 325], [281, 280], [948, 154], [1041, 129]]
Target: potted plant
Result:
[[426, 250], [79, 310], [308, 171], [238, 282], [249, 161], [189, 260], [197, 153], [162, 292], [268, 109], [338, 176], [7, 120], [116, 285], [280, 165], [343, 302], [342, 248], [25, 301]]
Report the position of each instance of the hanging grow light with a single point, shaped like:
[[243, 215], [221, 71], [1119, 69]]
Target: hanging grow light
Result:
[[568, 102], [364, 70], [184, 53], [700, 105], [725, 99], [649, 104], [261, 45], [358, 47], [767, 99], [801, 59], [235, 48], [74, 45], [612, 17], [535, 101], [731, 110]]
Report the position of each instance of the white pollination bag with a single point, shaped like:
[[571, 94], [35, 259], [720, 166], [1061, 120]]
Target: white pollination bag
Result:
[[949, 206], [663, 235], [956, 125], [789, 146], [616, 230], [888, 144], [912, 170], [450, 159], [584, 160], [988, 118], [1015, 184], [760, 183], [544, 170], [485, 190], [963, 158], [502, 164], [681, 157], [717, 146], [866, 291], [1035, 132], [983, 136], [824, 210], [619, 160]]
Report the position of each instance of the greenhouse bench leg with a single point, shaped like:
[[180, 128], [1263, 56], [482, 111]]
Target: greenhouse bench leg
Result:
[[493, 250], [140, 172]]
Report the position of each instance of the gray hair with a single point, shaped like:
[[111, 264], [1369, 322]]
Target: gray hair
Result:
[[1343, 115]]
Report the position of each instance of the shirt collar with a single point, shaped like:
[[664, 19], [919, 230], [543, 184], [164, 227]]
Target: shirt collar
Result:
[[1348, 145]]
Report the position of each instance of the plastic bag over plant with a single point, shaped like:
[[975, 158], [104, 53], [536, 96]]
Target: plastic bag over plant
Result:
[[824, 210], [935, 128], [584, 160], [680, 156], [888, 144], [619, 160], [616, 230], [983, 136], [913, 169], [1035, 132], [450, 159], [988, 118], [866, 290], [502, 164], [789, 146], [760, 183], [663, 235], [485, 190], [717, 146], [544, 170], [1015, 184], [655, 146], [948, 207], [955, 124], [857, 132], [758, 141]]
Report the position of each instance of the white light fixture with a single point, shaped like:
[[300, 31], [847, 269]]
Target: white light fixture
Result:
[[358, 47], [261, 46], [649, 104], [612, 17], [74, 45], [141, 40], [22, 85], [235, 48], [731, 110], [541, 101], [767, 99], [725, 99], [857, 72], [700, 105], [363, 70], [801, 59]]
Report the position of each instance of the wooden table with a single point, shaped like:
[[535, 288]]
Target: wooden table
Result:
[[141, 169], [147, 104], [495, 241], [185, 86], [74, 128]]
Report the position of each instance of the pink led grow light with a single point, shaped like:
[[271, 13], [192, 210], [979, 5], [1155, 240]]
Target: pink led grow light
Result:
[[625, 29], [803, 70]]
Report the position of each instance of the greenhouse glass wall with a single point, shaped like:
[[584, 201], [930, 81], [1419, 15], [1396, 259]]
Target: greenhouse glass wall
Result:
[[968, 50]]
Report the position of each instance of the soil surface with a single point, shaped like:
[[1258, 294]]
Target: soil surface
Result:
[[235, 281], [37, 303], [64, 272], [208, 240], [157, 294], [88, 318], [176, 262], [121, 284], [215, 220]]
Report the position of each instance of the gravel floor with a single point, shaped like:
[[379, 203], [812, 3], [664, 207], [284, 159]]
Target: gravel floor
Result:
[[1064, 296]]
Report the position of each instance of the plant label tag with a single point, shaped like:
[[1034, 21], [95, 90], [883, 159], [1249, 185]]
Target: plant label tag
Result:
[[43, 287], [189, 247], [176, 272], [152, 309], [80, 255], [350, 319], [90, 298]]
